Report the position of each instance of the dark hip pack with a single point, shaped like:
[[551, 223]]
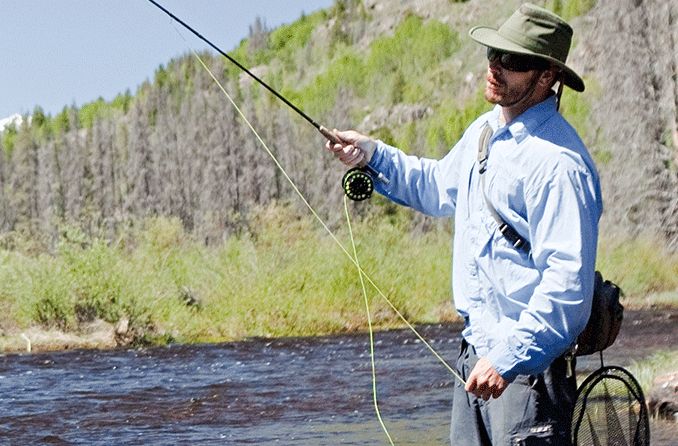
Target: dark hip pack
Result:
[[605, 321]]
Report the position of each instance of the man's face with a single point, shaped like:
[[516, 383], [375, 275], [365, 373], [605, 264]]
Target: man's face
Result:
[[509, 77]]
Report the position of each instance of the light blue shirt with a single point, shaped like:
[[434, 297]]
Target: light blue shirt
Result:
[[521, 310]]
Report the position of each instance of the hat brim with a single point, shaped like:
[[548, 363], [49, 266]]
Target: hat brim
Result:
[[490, 37]]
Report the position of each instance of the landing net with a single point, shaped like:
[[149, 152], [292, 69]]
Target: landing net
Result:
[[610, 410]]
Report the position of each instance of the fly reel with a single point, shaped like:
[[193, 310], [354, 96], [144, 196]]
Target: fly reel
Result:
[[357, 184]]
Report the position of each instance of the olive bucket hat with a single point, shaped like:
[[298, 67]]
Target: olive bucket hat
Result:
[[533, 31]]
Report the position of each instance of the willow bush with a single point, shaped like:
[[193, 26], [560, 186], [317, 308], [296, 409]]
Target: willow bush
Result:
[[285, 277]]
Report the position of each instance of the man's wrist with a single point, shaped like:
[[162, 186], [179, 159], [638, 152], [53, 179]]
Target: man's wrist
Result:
[[368, 147], [503, 361]]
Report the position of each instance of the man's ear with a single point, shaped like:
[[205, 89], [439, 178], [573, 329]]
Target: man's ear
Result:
[[548, 77]]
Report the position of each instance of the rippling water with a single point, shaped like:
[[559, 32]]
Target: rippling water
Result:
[[310, 391], [290, 391]]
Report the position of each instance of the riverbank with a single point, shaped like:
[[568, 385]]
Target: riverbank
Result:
[[283, 277], [102, 335]]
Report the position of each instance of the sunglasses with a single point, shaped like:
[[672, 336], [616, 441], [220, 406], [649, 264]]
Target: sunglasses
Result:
[[516, 62]]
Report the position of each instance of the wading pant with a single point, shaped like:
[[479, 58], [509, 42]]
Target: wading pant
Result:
[[533, 410]]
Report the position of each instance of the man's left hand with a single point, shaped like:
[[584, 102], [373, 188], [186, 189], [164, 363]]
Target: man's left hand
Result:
[[484, 381], [354, 149]]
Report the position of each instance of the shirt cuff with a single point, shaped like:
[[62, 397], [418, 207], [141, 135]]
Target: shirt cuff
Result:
[[377, 156], [504, 361]]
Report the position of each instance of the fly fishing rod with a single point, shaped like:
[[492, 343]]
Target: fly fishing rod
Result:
[[358, 182]]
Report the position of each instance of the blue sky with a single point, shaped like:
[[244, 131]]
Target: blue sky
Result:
[[63, 52]]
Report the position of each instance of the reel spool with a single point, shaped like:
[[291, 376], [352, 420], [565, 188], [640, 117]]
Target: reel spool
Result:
[[357, 184]]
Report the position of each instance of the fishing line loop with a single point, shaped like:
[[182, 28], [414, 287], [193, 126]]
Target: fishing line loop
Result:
[[369, 322], [366, 276], [363, 188]]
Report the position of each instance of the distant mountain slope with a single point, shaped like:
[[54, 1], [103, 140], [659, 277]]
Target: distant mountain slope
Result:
[[405, 71]]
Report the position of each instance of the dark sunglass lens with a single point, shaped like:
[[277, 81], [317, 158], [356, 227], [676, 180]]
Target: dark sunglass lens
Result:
[[516, 62], [492, 54]]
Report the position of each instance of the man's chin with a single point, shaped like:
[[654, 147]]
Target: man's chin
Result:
[[491, 96]]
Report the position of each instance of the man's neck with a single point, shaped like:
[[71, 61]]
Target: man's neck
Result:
[[508, 114]]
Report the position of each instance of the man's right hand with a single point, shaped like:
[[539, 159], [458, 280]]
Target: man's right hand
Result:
[[354, 149]]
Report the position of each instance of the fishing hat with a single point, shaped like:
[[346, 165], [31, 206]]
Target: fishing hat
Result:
[[533, 31]]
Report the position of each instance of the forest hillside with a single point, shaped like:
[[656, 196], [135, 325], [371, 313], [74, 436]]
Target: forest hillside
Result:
[[404, 71]]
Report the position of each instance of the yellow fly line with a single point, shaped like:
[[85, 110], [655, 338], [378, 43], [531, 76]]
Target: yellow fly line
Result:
[[364, 277], [369, 322]]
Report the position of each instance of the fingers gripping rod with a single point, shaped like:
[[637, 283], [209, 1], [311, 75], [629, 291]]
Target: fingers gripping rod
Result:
[[334, 139], [331, 136]]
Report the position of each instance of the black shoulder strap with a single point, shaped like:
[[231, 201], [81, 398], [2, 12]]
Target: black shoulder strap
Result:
[[507, 231]]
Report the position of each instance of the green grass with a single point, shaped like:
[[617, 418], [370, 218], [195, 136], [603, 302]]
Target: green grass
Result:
[[449, 122], [646, 272], [568, 9], [375, 75], [285, 277], [408, 78], [648, 369]]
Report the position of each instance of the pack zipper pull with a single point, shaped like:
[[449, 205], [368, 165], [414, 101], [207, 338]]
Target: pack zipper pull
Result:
[[569, 356]]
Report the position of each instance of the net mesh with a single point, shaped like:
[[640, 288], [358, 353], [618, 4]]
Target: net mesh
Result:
[[610, 410]]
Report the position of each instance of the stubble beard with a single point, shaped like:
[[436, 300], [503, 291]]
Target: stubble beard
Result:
[[501, 94], [491, 96], [495, 89], [508, 96]]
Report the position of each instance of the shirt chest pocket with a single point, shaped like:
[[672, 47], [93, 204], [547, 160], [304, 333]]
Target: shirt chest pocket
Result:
[[506, 193]]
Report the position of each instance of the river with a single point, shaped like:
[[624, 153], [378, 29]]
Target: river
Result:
[[301, 391]]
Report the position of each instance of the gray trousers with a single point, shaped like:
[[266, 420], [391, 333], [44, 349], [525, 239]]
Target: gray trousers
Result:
[[533, 410]]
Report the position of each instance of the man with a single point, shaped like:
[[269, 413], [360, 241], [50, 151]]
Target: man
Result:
[[523, 305]]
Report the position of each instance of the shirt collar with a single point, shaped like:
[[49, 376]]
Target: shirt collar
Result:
[[527, 122]]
